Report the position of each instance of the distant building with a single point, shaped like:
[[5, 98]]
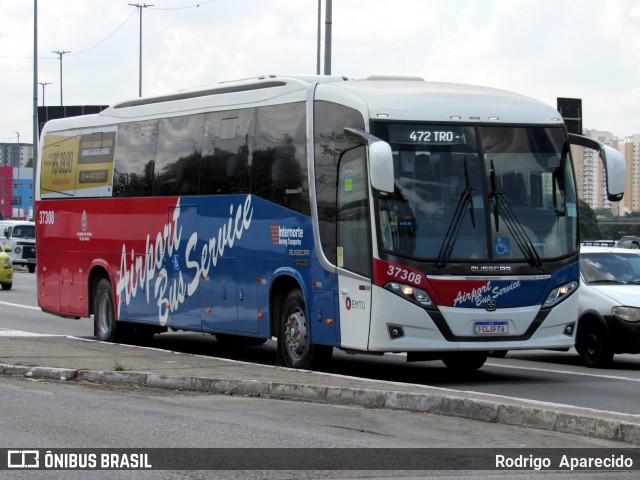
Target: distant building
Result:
[[631, 150], [15, 155], [6, 192], [591, 177], [22, 202], [16, 193]]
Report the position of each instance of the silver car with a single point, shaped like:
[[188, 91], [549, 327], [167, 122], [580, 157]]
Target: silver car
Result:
[[609, 319]]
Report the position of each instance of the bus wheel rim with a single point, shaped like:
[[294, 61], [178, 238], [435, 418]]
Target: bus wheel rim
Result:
[[296, 333]]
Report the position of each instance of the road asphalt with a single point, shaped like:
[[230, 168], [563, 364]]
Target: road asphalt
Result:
[[70, 359]]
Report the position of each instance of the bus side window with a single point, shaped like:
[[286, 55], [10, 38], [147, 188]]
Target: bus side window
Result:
[[279, 159], [178, 156], [135, 159], [225, 166]]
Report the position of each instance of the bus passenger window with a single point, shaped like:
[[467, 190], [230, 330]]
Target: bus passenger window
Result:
[[279, 159], [225, 166], [178, 156], [135, 159]]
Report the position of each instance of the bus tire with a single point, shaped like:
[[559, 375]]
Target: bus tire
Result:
[[465, 361], [104, 319], [294, 348]]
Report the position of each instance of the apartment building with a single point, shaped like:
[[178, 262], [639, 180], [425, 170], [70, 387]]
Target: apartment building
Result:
[[631, 149], [15, 154], [590, 174]]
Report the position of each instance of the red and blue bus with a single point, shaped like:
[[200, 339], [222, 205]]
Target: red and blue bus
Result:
[[376, 215]]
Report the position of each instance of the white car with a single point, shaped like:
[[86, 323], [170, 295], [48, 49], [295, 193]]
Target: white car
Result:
[[609, 319]]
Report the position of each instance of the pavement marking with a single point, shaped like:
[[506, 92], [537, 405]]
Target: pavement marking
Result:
[[566, 372], [17, 333], [21, 306]]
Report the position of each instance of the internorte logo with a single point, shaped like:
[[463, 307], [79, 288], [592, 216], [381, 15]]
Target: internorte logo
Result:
[[289, 237]]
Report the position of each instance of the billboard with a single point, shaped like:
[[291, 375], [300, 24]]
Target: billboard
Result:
[[78, 164], [50, 113]]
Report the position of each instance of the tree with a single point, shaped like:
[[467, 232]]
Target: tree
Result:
[[603, 212], [589, 229]]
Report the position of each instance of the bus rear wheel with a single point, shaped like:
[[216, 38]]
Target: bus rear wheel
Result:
[[295, 349], [104, 320]]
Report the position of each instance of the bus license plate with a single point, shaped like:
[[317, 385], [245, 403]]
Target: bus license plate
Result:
[[491, 328]]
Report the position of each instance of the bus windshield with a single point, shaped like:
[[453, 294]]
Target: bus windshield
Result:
[[498, 193]]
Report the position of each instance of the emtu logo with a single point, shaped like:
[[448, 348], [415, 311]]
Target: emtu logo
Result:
[[355, 304]]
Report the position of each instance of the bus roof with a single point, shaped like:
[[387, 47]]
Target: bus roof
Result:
[[399, 98], [414, 99]]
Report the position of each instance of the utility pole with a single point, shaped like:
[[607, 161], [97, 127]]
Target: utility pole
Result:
[[60, 53], [327, 38], [44, 84], [35, 86], [319, 36], [140, 7]]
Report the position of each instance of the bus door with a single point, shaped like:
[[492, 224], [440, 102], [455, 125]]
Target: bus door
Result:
[[247, 295], [354, 249], [219, 302], [185, 307], [230, 296]]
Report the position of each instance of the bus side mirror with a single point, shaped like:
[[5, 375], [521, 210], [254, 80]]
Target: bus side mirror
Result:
[[614, 165], [380, 159], [381, 166]]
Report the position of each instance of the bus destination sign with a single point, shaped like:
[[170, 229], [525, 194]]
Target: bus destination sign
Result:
[[427, 134]]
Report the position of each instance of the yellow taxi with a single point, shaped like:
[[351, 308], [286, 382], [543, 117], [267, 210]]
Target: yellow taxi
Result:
[[6, 269]]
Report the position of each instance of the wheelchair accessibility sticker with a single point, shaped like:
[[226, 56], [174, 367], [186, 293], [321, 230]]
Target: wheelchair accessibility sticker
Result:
[[501, 246]]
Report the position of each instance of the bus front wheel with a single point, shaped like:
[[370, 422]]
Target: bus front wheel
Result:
[[465, 361], [104, 320], [295, 349]]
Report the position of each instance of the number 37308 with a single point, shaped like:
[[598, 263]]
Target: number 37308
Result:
[[46, 217], [400, 273]]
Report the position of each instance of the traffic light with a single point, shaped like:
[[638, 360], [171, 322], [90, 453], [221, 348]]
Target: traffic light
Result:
[[571, 111]]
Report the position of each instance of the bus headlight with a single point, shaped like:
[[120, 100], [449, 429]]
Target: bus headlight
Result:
[[413, 294], [628, 314], [558, 294]]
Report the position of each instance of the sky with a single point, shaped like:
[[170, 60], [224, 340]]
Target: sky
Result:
[[588, 49]]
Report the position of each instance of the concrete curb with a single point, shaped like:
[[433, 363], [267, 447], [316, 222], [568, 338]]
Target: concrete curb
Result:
[[572, 420]]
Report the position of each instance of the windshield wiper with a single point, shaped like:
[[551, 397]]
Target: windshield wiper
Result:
[[465, 201], [501, 208]]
